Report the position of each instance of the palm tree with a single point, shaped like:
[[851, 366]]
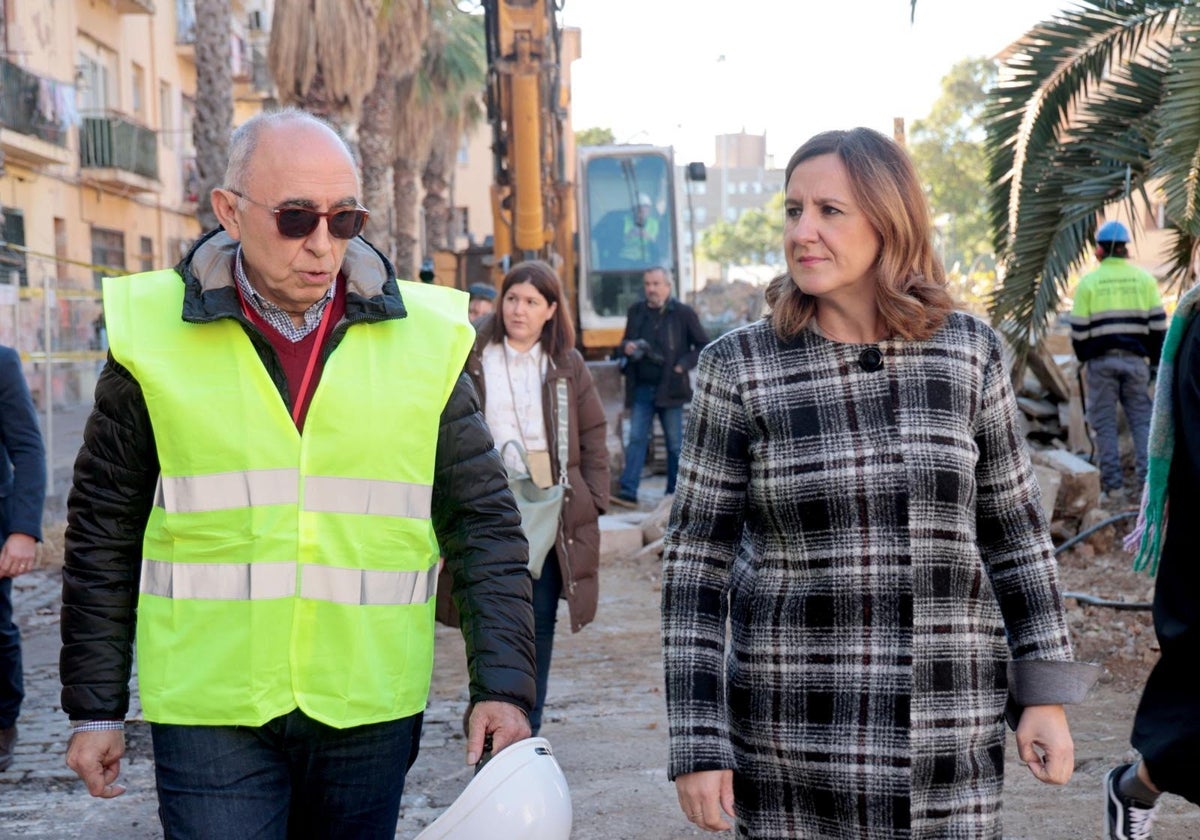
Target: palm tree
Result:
[[404, 28], [323, 57], [450, 84], [1092, 107], [414, 138], [214, 101]]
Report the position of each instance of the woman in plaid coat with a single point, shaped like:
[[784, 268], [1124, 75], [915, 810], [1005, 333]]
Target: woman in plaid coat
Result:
[[856, 500]]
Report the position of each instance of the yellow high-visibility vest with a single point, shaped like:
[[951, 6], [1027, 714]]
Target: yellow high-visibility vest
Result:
[[280, 569], [639, 241]]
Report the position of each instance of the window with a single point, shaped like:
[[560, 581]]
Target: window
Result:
[[239, 58], [146, 255], [137, 99], [97, 69], [1156, 213], [12, 260], [458, 222], [701, 214], [108, 250], [166, 115], [187, 116], [61, 250]]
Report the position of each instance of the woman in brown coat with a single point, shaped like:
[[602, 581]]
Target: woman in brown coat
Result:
[[519, 357]]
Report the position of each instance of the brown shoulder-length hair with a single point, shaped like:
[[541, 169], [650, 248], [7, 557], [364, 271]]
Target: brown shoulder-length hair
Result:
[[558, 334], [910, 279]]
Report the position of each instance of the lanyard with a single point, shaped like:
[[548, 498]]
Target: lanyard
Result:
[[302, 392]]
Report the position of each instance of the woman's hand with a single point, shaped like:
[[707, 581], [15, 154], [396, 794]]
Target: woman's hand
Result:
[[704, 795], [1044, 744]]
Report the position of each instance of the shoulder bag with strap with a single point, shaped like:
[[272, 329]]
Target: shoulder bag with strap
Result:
[[541, 507]]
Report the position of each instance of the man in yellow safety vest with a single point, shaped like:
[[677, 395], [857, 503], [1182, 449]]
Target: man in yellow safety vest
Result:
[[283, 442]]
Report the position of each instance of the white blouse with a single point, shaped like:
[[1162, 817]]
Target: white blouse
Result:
[[514, 398]]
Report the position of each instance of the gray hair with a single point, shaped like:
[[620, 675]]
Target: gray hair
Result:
[[244, 140]]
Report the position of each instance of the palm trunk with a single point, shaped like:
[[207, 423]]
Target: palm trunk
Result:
[[214, 101], [404, 174], [436, 182], [377, 131]]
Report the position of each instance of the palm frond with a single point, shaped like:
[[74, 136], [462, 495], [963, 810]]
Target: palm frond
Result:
[[1050, 71], [322, 55], [1099, 158], [1176, 164]]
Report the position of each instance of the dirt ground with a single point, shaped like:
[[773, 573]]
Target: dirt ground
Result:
[[606, 718], [606, 723]]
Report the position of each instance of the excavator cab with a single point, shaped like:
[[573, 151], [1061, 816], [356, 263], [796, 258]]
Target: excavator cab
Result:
[[627, 224]]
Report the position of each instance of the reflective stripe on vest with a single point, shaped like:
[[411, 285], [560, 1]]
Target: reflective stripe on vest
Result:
[[249, 488], [283, 570], [264, 581]]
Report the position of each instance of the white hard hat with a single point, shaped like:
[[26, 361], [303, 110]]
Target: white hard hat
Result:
[[520, 794]]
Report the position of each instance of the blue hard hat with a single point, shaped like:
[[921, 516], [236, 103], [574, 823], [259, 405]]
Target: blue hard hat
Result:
[[482, 290], [1112, 232]]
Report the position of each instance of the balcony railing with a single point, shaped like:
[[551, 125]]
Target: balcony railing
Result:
[[34, 105], [113, 142]]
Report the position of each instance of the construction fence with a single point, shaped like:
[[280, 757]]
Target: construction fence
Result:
[[59, 333]]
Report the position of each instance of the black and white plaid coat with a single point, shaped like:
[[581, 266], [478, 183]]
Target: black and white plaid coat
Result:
[[877, 543]]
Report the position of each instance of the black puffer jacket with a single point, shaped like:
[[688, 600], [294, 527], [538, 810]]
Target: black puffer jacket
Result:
[[477, 523]]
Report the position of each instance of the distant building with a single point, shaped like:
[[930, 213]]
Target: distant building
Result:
[[744, 178]]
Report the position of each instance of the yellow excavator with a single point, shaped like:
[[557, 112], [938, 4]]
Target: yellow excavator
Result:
[[600, 215]]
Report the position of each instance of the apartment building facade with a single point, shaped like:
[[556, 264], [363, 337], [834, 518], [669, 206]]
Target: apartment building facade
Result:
[[98, 174]]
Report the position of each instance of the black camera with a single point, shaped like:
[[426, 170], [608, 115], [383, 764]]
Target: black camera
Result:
[[643, 350]]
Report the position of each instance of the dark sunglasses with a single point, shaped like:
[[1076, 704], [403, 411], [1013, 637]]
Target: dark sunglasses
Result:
[[299, 222]]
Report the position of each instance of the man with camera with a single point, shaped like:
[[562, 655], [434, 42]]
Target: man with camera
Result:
[[661, 344]]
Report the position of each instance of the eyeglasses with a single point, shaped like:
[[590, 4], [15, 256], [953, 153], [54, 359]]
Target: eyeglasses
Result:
[[299, 222]]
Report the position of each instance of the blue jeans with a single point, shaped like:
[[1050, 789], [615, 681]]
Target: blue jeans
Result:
[[12, 687], [641, 420], [290, 778], [1125, 380], [546, 591]]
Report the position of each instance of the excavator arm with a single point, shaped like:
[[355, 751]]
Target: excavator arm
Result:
[[533, 199]]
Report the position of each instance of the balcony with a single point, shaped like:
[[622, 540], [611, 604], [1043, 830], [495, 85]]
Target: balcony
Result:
[[185, 29], [115, 152], [134, 7], [255, 83], [33, 122]]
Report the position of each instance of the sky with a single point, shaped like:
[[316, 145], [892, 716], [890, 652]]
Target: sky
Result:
[[680, 72]]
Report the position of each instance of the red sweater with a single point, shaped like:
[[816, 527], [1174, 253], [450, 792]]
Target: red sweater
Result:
[[294, 356]]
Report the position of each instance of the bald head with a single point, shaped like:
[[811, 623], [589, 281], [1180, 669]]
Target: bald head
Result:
[[247, 138]]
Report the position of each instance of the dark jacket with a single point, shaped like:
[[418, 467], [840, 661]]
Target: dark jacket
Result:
[[473, 512], [578, 547], [22, 456], [680, 339]]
